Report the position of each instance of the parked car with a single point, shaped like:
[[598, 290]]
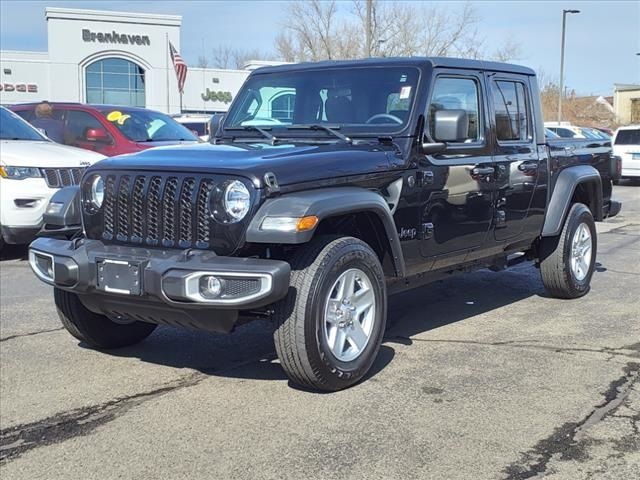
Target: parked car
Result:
[[593, 133], [32, 169], [550, 134], [565, 130], [110, 129], [196, 123], [626, 145], [606, 131], [388, 174]]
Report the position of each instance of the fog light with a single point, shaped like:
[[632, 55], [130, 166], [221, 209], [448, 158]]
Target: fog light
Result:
[[42, 265], [210, 286]]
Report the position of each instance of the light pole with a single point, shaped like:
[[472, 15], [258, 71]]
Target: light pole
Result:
[[560, 93]]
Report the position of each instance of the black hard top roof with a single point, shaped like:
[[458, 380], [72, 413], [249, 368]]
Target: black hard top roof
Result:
[[444, 62]]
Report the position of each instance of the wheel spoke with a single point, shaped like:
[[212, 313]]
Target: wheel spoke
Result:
[[346, 285], [584, 268], [357, 336], [338, 344], [362, 300]]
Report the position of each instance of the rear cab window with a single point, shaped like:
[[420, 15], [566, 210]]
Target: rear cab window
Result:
[[628, 136], [512, 112]]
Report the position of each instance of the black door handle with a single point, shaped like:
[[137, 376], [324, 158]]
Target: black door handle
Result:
[[528, 167], [482, 170]]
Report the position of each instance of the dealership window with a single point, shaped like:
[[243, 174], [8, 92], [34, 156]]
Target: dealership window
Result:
[[115, 81]]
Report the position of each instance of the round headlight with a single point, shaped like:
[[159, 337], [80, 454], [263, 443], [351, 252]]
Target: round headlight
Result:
[[97, 191], [236, 201]]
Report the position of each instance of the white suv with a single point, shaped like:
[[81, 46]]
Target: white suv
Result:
[[626, 145], [32, 169]]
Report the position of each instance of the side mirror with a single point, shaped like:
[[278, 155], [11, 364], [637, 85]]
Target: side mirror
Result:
[[214, 124], [451, 126], [96, 135]]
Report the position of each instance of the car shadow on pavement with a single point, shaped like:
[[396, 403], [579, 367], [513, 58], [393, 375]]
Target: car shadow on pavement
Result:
[[14, 252], [248, 352], [459, 298]]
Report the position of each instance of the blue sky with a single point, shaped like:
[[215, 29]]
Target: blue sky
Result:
[[602, 41]]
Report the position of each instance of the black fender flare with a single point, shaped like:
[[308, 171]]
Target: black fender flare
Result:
[[325, 203], [565, 186]]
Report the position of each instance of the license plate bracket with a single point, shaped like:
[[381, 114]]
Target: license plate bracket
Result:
[[120, 276]]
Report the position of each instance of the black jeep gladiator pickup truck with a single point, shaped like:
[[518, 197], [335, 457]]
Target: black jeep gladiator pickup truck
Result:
[[326, 187]]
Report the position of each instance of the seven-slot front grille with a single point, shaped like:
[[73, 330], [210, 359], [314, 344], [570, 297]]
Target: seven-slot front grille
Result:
[[157, 210], [62, 177]]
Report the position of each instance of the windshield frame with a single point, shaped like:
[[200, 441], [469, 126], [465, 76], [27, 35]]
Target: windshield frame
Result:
[[38, 137], [104, 113], [357, 131]]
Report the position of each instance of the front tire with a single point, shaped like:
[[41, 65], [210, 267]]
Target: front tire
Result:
[[567, 262], [97, 331], [330, 326]]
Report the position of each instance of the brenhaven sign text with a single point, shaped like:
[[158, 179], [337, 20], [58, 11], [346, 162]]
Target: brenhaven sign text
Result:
[[115, 37]]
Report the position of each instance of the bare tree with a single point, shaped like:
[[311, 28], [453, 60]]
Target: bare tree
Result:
[[202, 62], [224, 56], [313, 30], [221, 56]]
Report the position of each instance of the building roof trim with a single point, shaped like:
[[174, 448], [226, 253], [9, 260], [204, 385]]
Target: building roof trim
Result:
[[112, 16]]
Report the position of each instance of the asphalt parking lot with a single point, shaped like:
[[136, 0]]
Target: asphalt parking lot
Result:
[[482, 377]]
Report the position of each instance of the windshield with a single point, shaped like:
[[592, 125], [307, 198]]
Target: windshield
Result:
[[357, 100], [628, 137], [147, 125], [13, 127]]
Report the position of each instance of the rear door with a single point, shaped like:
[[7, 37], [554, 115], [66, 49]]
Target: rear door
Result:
[[457, 200], [516, 156]]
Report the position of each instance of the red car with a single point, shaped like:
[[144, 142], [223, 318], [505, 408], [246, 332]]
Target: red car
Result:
[[107, 129]]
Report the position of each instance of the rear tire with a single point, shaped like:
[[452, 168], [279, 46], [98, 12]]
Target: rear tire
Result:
[[330, 326], [96, 330], [567, 262]]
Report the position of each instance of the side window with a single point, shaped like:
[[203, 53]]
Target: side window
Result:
[[77, 124], [457, 93], [27, 115], [512, 114]]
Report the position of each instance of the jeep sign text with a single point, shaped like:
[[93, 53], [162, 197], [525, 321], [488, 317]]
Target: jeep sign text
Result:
[[114, 37]]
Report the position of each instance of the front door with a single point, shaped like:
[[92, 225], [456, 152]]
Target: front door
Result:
[[516, 155], [457, 194]]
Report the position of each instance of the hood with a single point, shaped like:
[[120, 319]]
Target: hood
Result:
[[291, 163], [25, 153], [164, 143]]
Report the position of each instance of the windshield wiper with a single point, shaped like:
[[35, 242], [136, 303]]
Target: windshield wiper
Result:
[[261, 131], [318, 126]]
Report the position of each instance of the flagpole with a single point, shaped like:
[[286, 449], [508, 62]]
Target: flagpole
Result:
[[166, 59], [181, 102]]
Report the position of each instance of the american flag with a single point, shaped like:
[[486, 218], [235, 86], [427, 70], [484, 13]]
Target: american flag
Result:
[[180, 67]]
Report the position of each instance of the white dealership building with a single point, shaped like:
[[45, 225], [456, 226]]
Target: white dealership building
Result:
[[113, 57]]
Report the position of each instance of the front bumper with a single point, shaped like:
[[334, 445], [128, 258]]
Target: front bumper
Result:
[[18, 235], [24, 202], [165, 285]]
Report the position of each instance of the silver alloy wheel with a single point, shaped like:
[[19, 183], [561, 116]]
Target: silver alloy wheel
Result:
[[581, 248], [349, 315]]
